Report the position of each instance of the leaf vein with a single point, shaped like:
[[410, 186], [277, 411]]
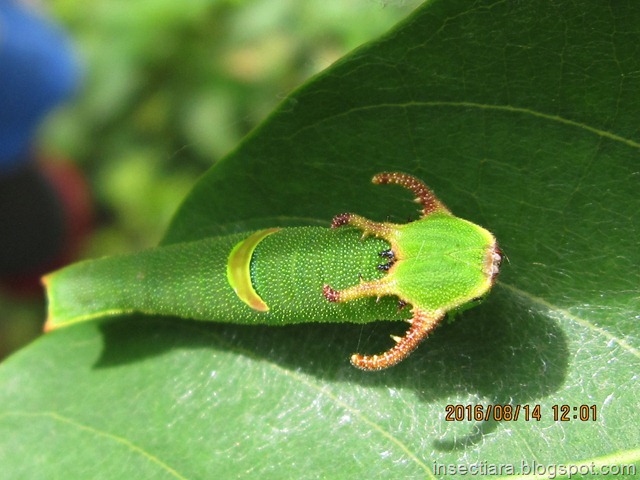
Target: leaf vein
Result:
[[123, 441], [483, 106], [574, 318]]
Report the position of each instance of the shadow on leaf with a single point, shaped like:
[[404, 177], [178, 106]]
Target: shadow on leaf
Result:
[[499, 353]]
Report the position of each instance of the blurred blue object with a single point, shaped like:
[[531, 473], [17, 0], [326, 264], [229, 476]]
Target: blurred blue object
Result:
[[45, 207], [37, 71]]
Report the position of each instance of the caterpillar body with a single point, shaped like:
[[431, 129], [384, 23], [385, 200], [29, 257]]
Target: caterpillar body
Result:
[[356, 271]]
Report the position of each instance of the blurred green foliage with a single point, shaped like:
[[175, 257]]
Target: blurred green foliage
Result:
[[171, 87], [168, 89]]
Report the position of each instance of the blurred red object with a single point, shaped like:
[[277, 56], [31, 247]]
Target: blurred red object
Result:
[[72, 191]]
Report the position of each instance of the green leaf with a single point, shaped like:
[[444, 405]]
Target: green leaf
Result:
[[523, 117]]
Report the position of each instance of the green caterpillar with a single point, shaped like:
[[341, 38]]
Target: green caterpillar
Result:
[[437, 264]]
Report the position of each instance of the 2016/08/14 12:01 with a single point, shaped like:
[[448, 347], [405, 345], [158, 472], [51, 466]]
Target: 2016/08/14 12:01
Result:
[[508, 412]]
